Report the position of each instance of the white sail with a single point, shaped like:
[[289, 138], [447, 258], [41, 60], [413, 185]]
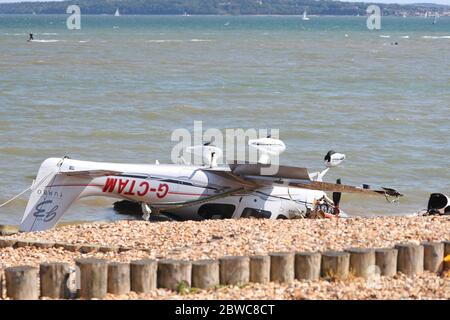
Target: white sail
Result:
[[117, 14], [304, 16]]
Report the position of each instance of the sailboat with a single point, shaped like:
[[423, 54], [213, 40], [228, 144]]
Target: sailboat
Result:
[[436, 16], [304, 16], [117, 14], [426, 14]]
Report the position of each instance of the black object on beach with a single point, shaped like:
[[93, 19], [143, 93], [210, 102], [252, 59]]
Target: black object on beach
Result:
[[337, 199], [133, 208], [31, 37], [438, 204]]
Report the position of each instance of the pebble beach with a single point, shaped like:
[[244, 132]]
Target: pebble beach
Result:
[[212, 239]]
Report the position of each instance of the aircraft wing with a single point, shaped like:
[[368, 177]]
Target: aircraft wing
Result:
[[299, 177], [333, 187]]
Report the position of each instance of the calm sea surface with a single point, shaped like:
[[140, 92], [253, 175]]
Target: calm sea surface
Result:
[[117, 88]]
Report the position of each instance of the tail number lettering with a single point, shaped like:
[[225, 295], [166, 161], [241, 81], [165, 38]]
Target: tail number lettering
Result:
[[131, 187], [43, 213], [163, 189]]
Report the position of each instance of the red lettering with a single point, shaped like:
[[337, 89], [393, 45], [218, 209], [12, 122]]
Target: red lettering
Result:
[[122, 185], [110, 184], [130, 191], [144, 192], [163, 189]]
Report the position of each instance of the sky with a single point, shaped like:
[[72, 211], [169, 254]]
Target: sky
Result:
[[378, 1]]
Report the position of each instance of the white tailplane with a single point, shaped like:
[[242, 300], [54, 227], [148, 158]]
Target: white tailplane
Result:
[[49, 200]]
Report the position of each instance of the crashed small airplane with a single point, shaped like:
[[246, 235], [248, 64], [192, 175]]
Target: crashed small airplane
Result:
[[193, 191]]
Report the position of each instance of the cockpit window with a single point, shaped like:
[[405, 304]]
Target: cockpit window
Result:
[[216, 211], [256, 213]]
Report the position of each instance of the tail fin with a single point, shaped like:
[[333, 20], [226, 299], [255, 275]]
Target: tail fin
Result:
[[49, 199]]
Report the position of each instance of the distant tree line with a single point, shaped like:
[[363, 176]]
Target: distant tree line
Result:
[[216, 7]]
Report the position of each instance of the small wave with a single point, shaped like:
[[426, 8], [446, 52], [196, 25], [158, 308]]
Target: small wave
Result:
[[163, 41], [175, 40], [40, 62], [405, 37], [46, 41], [15, 34], [115, 27], [48, 34], [436, 37], [384, 36], [83, 41]]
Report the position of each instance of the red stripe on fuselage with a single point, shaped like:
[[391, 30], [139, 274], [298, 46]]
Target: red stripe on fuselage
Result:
[[75, 185], [189, 194], [141, 185]]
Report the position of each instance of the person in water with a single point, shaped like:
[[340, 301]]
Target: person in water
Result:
[[31, 37]]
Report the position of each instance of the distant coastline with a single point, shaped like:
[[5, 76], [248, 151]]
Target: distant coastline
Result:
[[235, 8]]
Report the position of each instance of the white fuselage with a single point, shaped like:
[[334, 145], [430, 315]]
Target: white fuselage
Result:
[[163, 185]]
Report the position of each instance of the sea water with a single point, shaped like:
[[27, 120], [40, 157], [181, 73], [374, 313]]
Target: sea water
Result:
[[116, 89]]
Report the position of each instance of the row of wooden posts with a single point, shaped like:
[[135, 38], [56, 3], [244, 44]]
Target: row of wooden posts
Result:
[[97, 277]]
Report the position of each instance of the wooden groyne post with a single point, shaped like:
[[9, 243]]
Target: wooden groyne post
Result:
[[386, 260], [282, 267], [234, 270], [205, 274], [433, 256], [21, 283], [307, 265], [54, 280], [259, 269], [143, 275], [335, 264], [119, 277], [410, 258], [174, 273], [93, 278], [362, 262]]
